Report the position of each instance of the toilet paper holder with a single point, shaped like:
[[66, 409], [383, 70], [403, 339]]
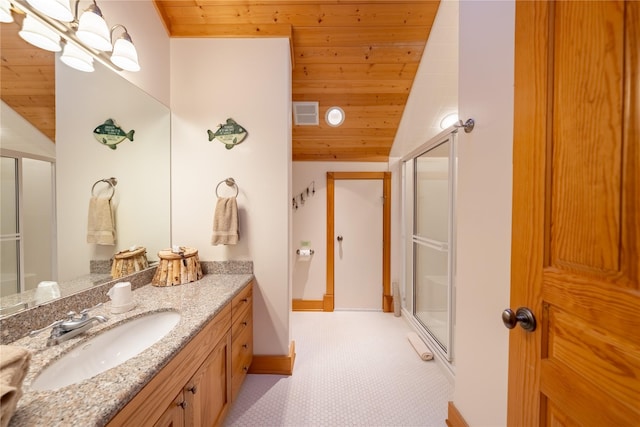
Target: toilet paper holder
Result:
[[298, 251]]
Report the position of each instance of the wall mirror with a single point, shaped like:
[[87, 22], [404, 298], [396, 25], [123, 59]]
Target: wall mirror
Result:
[[56, 186]]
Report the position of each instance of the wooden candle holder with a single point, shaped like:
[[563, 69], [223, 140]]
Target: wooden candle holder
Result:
[[128, 262], [177, 268]]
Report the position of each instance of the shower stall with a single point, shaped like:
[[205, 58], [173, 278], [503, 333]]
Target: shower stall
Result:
[[429, 234]]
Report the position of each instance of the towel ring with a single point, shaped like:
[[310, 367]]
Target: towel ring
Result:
[[230, 182], [112, 184]]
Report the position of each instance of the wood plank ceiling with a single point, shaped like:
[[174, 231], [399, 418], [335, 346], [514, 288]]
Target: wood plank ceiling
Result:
[[360, 55], [27, 79]]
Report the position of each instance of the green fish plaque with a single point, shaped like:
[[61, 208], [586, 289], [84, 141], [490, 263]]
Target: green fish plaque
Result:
[[230, 134], [110, 134]]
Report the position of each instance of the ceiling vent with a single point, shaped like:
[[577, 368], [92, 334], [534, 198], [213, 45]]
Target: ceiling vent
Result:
[[305, 113]]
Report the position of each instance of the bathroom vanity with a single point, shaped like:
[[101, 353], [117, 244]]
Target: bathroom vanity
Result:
[[189, 377], [196, 387]]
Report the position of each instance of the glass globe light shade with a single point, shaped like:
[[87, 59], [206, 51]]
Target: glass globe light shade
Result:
[[76, 58], [124, 54], [93, 30], [56, 9], [39, 35]]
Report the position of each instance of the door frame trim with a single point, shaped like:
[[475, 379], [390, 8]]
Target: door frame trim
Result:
[[387, 298]]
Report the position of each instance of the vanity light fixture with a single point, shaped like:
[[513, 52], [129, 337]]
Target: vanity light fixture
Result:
[[89, 33], [335, 116], [5, 12]]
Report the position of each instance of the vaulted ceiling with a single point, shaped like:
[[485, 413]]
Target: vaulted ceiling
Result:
[[359, 55]]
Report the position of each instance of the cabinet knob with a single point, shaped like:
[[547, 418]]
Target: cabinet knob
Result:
[[244, 323], [245, 345], [244, 300], [193, 389], [245, 368], [183, 404]]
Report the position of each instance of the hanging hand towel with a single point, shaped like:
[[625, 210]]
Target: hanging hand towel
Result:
[[14, 364], [101, 226], [225, 222]]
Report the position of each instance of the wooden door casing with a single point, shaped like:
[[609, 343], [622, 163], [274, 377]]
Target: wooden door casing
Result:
[[387, 299], [576, 214]]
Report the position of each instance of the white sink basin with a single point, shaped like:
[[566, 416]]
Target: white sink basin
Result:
[[106, 350]]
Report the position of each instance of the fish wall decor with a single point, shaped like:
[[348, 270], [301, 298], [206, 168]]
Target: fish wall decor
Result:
[[230, 134], [110, 134]]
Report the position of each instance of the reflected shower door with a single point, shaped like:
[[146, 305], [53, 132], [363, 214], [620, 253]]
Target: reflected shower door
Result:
[[27, 227]]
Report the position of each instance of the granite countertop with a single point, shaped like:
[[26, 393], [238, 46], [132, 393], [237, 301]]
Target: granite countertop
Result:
[[95, 401]]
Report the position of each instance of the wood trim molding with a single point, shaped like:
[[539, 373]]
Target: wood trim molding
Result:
[[386, 298], [307, 305], [274, 364], [454, 417], [328, 297], [387, 303], [327, 302]]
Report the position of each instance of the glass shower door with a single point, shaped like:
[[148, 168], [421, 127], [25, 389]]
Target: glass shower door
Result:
[[27, 231], [433, 203]]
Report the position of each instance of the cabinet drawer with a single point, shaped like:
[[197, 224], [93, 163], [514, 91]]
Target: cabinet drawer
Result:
[[242, 301], [241, 323], [242, 349]]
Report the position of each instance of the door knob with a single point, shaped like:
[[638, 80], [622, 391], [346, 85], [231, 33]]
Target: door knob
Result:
[[339, 238], [523, 315]]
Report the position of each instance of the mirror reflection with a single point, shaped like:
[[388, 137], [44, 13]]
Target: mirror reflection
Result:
[[47, 187]]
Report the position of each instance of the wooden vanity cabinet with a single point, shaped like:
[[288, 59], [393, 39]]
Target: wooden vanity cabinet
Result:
[[204, 399], [196, 387], [207, 394]]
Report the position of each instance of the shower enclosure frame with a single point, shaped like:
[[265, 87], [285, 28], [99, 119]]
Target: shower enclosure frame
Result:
[[411, 241]]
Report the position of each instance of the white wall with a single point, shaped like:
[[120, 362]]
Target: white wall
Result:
[[310, 223], [248, 80], [484, 210]]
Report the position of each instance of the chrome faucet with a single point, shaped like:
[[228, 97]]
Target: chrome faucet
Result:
[[72, 326]]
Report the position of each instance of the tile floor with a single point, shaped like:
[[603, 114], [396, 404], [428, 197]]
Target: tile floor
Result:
[[352, 369]]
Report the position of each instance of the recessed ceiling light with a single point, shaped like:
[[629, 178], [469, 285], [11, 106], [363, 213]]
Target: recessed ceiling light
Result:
[[448, 120], [334, 116]]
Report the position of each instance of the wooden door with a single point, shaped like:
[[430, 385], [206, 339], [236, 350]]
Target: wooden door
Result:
[[358, 244], [576, 215], [328, 303], [208, 392]]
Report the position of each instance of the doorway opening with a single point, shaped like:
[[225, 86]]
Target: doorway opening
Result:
[[327, 302]]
